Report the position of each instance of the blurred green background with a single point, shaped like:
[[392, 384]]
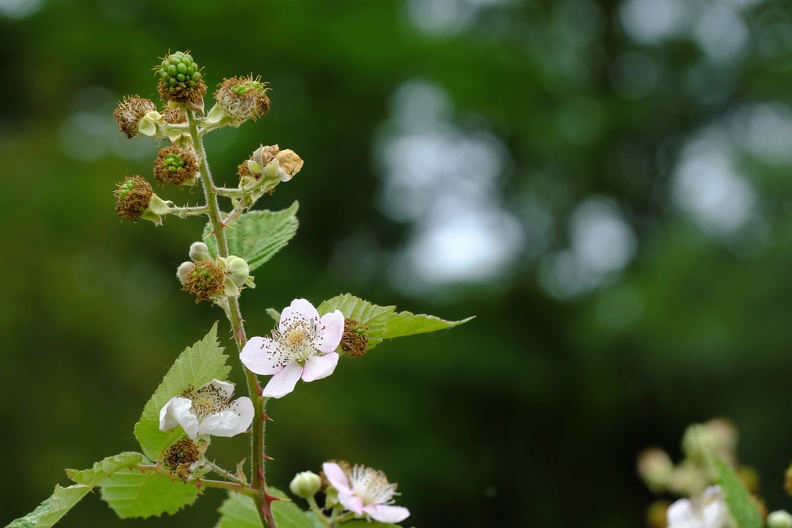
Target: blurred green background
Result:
[[605, 185]]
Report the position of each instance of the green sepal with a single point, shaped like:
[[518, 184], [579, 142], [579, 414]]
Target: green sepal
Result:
[[196, 366], [134, 493], [257, 236], [64, 499], [741, 506], [239, 511]]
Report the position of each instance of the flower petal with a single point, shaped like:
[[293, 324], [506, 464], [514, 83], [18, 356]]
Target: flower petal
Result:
[[386, 514], [336, 477], [351, 502], [332, 330], [262, 355], [226, 389], [236, 419], [300, 309], [318, 367], [283, 382], [178, 411]]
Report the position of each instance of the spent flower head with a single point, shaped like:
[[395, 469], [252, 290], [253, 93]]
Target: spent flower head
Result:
[[176, 166], [365, 492], [208, 411], [130, 112], [240, 99], [302, 346], [136, 199]]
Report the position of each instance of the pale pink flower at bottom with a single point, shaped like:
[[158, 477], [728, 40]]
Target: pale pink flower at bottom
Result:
[[302, 347], [365, 491], [708, 510]]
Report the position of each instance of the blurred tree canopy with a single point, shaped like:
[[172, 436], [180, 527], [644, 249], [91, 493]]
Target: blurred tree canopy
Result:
[[606, 185]]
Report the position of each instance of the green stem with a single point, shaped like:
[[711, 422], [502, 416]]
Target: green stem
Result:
[[238, 330], [203, 483], [317, 511]]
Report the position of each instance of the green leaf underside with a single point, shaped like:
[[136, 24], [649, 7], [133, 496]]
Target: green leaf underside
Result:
[[63, 499], [741, 506], [257, 236], [383, 322], [239, 511], [196, 366], [132, 493], [361, 311], [405, 323]]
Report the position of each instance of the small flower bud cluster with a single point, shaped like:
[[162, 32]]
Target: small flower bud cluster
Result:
[[136, 199], [212, 280], [700, 442]]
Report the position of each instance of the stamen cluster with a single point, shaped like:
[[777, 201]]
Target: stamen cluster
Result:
[[129, 113]]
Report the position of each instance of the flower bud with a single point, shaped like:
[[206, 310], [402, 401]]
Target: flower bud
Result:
[[290, 164], [199, 251], [237, 268], [655, 468], [779, 519], [136, 199], [176, 166], [238, 100], [305, 484], [130, 112], [718, 437], [181, 80], [184, 270]]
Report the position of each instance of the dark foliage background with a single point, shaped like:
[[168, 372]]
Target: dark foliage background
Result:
[[606, 185]]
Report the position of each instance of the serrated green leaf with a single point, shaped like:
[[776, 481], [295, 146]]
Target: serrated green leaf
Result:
[[741, 506], [405, 323], [133, 493], [238, 511], [286, 513], [196, 366], [63, 499], [257, 236], [103, 468], [361, 311], [31, 519]]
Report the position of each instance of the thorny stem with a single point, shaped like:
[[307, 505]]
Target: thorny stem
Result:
[[237, 325], [184, 212]]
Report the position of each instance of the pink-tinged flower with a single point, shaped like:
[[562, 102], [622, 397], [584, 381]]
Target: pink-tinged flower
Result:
[[208, 410], [365, 492], [303, 346], [708, 510]]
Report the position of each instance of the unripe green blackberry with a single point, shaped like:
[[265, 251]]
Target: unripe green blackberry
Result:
[[181, 80], [175, 166]]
